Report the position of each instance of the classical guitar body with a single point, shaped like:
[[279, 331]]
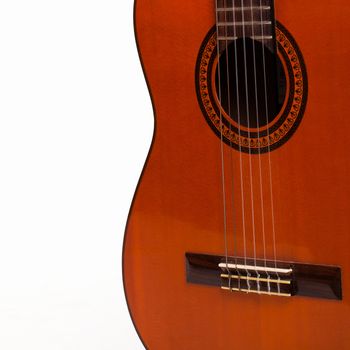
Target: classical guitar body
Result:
[[239, 232]]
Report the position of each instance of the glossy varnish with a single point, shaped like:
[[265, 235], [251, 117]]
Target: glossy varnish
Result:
[[178, 205]]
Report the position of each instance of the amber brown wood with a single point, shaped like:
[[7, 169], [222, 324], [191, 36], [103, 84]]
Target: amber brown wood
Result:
[[178, 204]]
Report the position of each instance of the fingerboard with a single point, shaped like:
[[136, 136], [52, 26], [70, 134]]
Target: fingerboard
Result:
[[253, 19]]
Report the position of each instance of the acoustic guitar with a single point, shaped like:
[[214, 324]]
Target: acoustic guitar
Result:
[[239, 232]]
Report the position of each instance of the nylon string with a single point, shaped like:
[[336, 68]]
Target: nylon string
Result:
[[231, 157], [221, 141], [269, 149], [258, 133], [239, 144], [249, 148]]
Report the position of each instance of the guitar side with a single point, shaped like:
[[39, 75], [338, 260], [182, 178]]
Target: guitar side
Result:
[[178, 207]]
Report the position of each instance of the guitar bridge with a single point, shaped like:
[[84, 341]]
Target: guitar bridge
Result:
[[260, 279], [264, 277]]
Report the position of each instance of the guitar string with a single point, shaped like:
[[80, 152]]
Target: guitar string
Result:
[[269, 149], [221, 139], [249, 135], [231, 156], [240, 142], [260, 162], [258, 126], [267, 120]]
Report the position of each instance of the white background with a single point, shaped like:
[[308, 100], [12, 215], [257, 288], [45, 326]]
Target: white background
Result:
[[75, 127]]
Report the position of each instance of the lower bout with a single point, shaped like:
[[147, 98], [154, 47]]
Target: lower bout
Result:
[[170, 313]]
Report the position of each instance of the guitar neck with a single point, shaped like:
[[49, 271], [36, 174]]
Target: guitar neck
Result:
[[246, 19]]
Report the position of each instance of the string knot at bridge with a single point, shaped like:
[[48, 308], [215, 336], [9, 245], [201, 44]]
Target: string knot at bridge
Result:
[[256, 279], [265, 277]]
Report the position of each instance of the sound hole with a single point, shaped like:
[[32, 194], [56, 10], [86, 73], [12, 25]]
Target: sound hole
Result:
[[251, 109]]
